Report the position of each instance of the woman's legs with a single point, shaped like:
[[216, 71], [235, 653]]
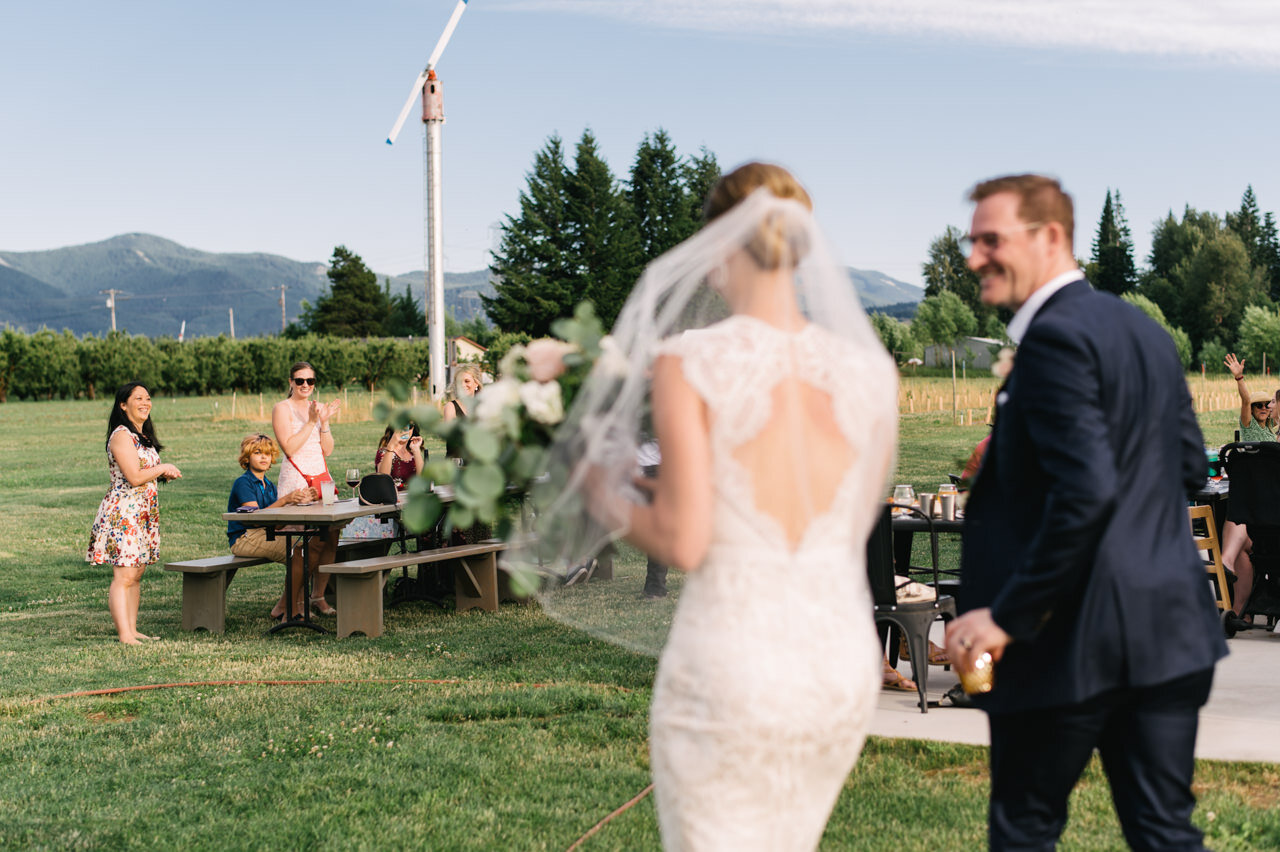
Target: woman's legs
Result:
[[324, 551], [1236, 547], [122, 601]]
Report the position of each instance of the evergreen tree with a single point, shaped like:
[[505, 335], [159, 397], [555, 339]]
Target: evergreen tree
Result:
[[604, 245], [533, 267], [1112, 267], [947, 271], [1247, 225], [663, 212], [700, 175], [1270, 256], [354, 306], [405, 317]]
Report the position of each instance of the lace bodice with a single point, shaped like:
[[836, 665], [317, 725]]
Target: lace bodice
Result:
[[737, 366]]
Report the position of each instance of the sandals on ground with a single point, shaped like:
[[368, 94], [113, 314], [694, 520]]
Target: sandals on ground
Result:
[[937, 655], [320, 605], [894, 679]]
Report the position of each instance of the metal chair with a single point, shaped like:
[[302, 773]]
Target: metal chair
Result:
[[913, 619]]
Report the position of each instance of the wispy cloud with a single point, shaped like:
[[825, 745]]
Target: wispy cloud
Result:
[[1243, 32]]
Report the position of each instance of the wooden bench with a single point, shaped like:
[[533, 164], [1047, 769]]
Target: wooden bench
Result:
[[359, 583], [205, 582], [204, 589]]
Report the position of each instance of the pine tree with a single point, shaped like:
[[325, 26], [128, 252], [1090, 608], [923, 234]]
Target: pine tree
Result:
[[1113, 268], [1271, 254], [405, 317], [1247, 225], [657, 192], [947, 271], [354, 306], [533, 265], [601, 228], [700, 174]]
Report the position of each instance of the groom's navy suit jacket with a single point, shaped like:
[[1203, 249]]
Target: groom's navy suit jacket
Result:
[[1076, 532]]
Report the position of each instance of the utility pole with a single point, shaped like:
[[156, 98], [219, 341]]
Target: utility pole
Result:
[[231, 314], [283, 287], [111, 303]]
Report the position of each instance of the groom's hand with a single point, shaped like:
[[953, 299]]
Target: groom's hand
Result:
[[973, 634]]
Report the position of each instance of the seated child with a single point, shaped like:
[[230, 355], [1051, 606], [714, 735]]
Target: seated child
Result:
[[252, 490]]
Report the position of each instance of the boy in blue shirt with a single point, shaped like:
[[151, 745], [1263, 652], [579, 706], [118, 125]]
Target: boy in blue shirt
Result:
[[252, 490]]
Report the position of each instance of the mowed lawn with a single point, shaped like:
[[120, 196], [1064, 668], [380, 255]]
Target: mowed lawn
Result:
[[475, 731]]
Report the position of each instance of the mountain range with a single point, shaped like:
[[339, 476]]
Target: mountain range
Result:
[[161, 284]]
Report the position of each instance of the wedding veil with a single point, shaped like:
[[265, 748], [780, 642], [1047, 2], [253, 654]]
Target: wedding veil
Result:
[[595, 451]]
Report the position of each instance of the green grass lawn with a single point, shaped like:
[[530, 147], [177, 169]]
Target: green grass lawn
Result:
[[467, 731]]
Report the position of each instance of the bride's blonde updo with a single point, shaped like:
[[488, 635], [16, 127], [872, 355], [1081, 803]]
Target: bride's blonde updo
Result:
[[774, 244]]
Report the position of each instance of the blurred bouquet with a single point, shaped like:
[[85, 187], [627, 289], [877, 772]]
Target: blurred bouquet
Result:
[[503, 443]]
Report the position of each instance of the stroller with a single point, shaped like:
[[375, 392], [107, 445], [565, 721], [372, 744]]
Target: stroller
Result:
[[1253, 470]]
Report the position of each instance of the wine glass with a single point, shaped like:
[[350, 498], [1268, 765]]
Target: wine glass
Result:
[[353, 478], [904, 495]]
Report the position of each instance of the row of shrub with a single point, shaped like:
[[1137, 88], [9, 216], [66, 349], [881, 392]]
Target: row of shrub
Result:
[[58, 365]]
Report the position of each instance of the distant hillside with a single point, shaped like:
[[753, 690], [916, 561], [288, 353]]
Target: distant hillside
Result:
[[162, 284], [877, 289]]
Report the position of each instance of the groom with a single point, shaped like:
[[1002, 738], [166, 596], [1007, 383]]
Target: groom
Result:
[[1079, 576]]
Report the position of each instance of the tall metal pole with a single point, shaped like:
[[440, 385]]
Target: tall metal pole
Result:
[[283, 324], [433, 117]]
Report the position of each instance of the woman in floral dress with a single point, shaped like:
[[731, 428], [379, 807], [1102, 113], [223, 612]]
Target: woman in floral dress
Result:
[[126, 532]]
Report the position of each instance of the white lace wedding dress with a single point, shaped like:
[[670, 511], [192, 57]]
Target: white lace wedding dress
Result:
[[772, 666]]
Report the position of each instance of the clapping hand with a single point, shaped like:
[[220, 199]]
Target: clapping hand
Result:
[[415, 443], [169, 471], [327, 411]]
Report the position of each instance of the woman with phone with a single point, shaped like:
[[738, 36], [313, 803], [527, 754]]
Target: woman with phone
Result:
[[401, 454]]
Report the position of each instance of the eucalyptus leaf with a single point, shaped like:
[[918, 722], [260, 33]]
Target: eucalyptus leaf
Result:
[[482, 445], [485, 481], [461, 517], [382, 410], [421, 511], [397, 388], [426, 416]]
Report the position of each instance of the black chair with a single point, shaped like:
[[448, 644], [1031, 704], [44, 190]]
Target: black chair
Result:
[[913, 619], [1253, 469]]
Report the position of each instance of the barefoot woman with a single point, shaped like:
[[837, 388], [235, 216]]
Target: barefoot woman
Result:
[[126, 531]]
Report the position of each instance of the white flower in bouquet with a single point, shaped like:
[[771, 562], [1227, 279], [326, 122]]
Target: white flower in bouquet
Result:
[[543, 401], [1003, 364], [612, 362], [495, 399]]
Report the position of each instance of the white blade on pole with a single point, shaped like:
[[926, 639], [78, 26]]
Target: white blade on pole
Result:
[[408, 105], [448, 31]]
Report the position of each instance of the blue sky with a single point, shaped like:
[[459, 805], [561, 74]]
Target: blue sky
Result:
[[240, 127]]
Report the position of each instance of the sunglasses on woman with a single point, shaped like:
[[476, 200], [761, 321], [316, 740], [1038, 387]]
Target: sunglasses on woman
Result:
[[301, 382]]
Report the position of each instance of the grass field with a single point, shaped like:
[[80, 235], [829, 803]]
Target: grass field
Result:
[[471, 732]]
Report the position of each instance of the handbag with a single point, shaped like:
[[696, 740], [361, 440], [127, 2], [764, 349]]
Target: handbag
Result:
[[313, 479], [377, 489]]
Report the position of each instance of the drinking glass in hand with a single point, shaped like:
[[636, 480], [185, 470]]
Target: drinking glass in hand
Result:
[[353, 478]]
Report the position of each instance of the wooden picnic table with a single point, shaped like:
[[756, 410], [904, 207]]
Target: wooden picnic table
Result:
[[304, 521]]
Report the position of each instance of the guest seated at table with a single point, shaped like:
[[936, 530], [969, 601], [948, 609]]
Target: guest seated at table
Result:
[[253, 490], [1257, 423], [401, 454]]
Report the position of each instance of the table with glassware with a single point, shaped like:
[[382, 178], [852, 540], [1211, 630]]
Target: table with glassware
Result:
[[304, 521]]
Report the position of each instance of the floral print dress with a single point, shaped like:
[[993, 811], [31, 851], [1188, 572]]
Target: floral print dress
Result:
[[126, 531]]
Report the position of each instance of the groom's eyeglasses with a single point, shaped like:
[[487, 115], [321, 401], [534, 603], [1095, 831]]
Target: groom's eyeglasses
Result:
[[992, 240], [301, 382]]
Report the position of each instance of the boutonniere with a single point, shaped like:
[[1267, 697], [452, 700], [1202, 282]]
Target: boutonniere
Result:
[[1003, 365]]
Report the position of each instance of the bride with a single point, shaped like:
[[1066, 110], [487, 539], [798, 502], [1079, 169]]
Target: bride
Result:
[[774, 405]]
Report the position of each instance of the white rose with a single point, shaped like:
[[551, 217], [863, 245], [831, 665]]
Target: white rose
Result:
[[494, 399], [612, 362], [543, 401]]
